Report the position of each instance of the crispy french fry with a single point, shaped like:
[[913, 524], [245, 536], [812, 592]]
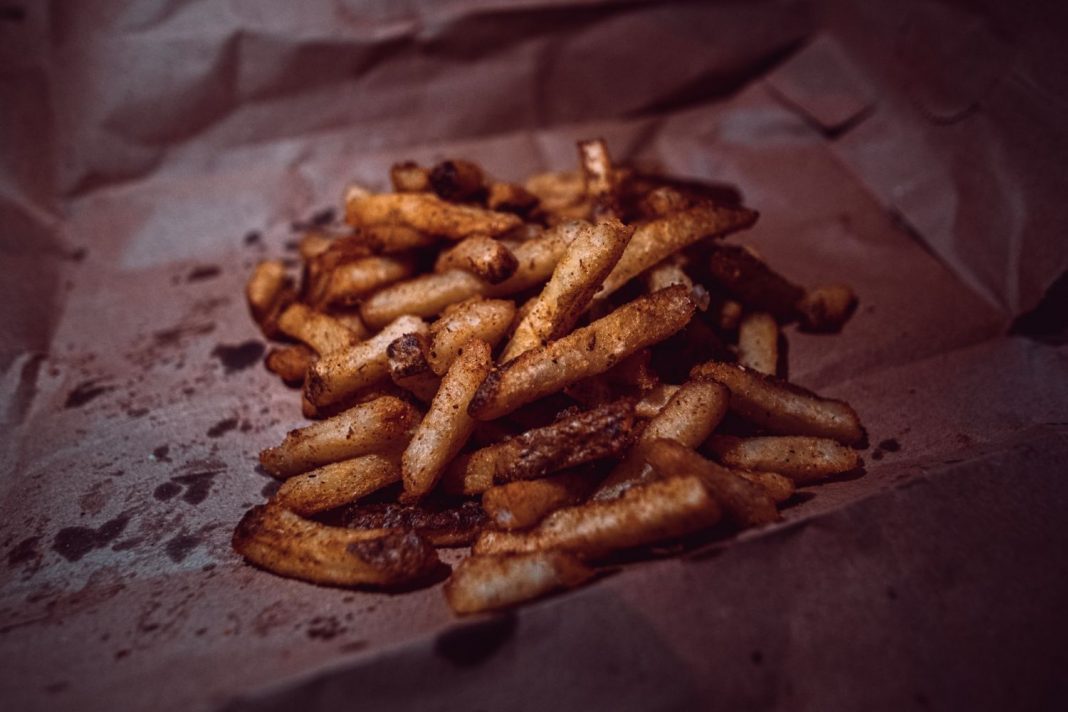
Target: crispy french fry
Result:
[[457, 180], [753, 283], [666, 274], [510, 198], [689, 418], [482, 256], [663, 201], [643, 515], [476, 318], [428, 214], [758, 343], [269, 291], [748, 504], [577, 276], [409, 177], [447, 426], [380, 425], [291, 363], [350, 282], [286, 544], [321, 332], [826, 308], [345, 372], [388, 238], [486, 583], [524, 503], [783, 407], [654, 401], [338, 483], [352, 321], [408, 366], [599, 177], [802, 459], [441, 526], [583, 353], [778, 487], [561, 193]]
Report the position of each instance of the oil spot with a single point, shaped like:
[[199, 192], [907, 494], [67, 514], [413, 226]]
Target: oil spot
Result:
[[137, 412], [126, 544], [85, 392], [253, 237], [203, 273], [271, 489], [889, 445], [222, 427], [170, 337], [160, 454], [120, 654], [166, 491], [24, 551], [353, 646], [179, 547], [53, 688], [757, 657], [891, 593], [474, 644], [324, 628], [72, 543], [12, 13], [197, 485], [237, 357]]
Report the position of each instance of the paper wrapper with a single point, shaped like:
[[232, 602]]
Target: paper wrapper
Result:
[[153, 152]]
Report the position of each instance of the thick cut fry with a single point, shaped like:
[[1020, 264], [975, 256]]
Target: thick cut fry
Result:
[[482, 256], [689, 418], [441, 526], [269, 291], [778, 487], [338, 483], [485, 319], [578, 275], [599, 177], [291, 363], [522, 504], [321, 332], [380, 425], [826, 308], [802, 459], [583, 353], [286, 544], [643, 515], [350, 282], [758, 343], [428, 214], [753, 283], [408, 366], [409, 177], [658, 239], [345, 372], [447, 426], [747, 503], [487, 583], [457, 181], [782, 407]]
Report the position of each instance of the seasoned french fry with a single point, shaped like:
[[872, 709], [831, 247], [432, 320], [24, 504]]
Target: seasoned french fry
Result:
[[314, 243], [599, 177], [388, 238], [778, 487], [802, 459], [654, 401], [485, 319], [345, 372], [408, 366], [666, 274], [350, 282], [352, 321], [269, 291], [321, 265], [826, 308], [783, 407], [753, 283], [643, 515], [457, 180], [562, 194], [381, 425], [748, 503], [441, 526], [286, 544], [447, 426], [663, 201], [576, 278], [584, 352], [758, 343], [409, 177], [524, 503], [321, 332], [428, 214], [291, 363], [510, 198], [486, 583], [482, 256], [338, 483]]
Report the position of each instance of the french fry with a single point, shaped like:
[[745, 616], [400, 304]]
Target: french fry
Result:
[[524, 503], [802, 459], [313, 243], [666, 274], [345, 372], [389, 238], [377, 426], [583, 353], [286, 544], [428, 214], [338, 483], [321, 265], [447, 426], [778, 487], [487, 583], [754, 283], [510, 198], [476, 318], [747, 503], [441, 526], [643, 515], [654, 401], [783, 407], [290, 363], [599, 177], [457, 181], [826, 308], [321, 332], [409, 177], [663, 201], [351, 320], [268, 292], [482, 256], [350, 282], [758, 343], [561, 194], [408, 366], [577, 276]]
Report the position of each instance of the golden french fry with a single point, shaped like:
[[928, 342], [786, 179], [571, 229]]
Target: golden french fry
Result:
[[783, 407], [524, 503], [350, 282], [487, 583], [291, 363], [286, 544], [321, 332], [345, 372], [409, 177], [748, 504], [457, 180], [380, 425], [476, 318], [826, 308], [441, 526], [643, 515], [269, 291], [428, 214], [482, 256], [338, 483], [802, 459], [577, 276], [754, 283], [583, 353], [758, 343], [779, 487], [408, 366], [447, 426]]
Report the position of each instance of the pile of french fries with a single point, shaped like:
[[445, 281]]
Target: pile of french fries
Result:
[[551, 374]]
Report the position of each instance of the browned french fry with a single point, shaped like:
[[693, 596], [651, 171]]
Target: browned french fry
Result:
[[802, 459], [319, 267], [441, 526], [286, 544], [758, 343], [656, 240], [783, 407], [482, 256], [345, 372], [428, 214], [338, 483], [487, 583], [522, 504], [662, 201], [269, 291], [560, 193], [826, 308], [643, 515], [748, 504], [321, 332], [314, 243], [510, 198], [457, 180], [689, 418], [778, 487], [577, 276], [350, 282], [485, 319], [729, 315], [381, 425], [753, 283], [582, 353], [654, 401], [409, 177], [667, 274], [408, 366], [352, 321], [599, 177], [291, 363], [447, 426], [388, 238]]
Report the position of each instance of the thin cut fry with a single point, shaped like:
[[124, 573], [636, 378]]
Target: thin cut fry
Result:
[[758, 343], [428, 214], [485, 319], [522, 504], [321, 332], [486, 583], [802, 459], [482, 256], [338, 483]]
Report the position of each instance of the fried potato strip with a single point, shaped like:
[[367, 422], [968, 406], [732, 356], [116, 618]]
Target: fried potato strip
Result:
[[802, 459], [522, 504], [486, 583], [338, 483], [429, 214], [484, 319]]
